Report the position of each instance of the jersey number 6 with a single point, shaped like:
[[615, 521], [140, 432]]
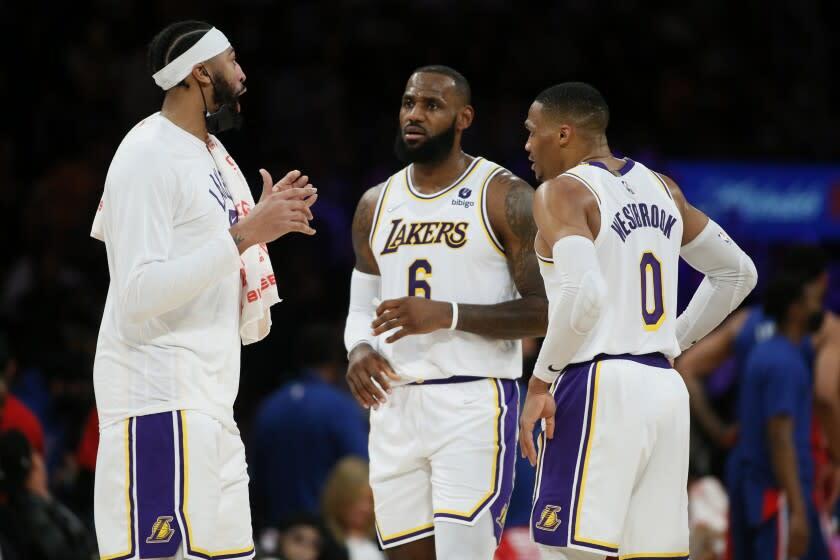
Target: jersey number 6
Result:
[[653, 304], [419, 271]]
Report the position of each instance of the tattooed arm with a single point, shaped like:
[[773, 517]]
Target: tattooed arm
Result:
[[366, 364], [509, 200], [362, 222], [509, 208]]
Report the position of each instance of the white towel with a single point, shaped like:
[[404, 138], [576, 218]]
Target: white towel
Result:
[[259, 288]]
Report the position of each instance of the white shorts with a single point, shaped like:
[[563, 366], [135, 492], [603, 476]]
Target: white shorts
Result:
[[442, 452], [168, 478], [613, 479]]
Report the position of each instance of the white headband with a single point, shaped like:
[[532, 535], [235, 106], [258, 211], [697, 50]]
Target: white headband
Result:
[[213, 43]]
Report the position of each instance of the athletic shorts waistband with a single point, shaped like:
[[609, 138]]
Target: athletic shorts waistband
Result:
[[653, 359]]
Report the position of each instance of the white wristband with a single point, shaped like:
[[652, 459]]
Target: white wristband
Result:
[[454, 324]]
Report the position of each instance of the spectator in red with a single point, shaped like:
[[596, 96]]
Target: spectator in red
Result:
[[14, 415]]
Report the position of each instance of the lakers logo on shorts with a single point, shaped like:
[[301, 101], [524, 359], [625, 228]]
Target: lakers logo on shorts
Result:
[[549, 520], [162, 530]]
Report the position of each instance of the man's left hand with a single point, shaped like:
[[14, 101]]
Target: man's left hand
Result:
[[412, 315]]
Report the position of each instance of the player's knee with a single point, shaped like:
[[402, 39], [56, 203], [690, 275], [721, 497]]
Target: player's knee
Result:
[[589, 302], [452, 539]]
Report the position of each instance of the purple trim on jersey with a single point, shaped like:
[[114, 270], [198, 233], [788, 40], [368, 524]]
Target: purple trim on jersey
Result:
[[506, 430], [556, 470], [654, 359], [628, 165], [158, 530]]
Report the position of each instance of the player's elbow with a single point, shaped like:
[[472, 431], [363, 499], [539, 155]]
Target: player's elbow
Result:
[[825, 402], [135, 306], [589, 303]]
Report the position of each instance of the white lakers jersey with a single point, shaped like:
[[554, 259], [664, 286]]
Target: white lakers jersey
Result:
[[638, 248], [441, 246]]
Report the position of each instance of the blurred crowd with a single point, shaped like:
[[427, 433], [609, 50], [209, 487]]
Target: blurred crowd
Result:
[[709, 80]]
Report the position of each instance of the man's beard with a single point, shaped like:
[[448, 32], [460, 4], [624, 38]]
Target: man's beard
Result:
[[224, 93], [433, 150], [227, 116]]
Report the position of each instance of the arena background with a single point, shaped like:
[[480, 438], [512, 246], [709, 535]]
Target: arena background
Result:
[[735, 100]]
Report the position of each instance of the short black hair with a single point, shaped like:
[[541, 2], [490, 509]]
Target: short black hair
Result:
[[808, 261], [462, 86], [578, 100], [174, 41], [798, 266], [784, 290]]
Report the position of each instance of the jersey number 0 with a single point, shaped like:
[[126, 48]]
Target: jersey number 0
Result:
[[653, 304]]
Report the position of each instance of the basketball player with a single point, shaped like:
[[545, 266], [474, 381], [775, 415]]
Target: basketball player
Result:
[[739, 334], [611, 478], [171, 478], [446, 244]]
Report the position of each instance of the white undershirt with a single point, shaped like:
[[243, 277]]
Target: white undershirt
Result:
[[169, 335]]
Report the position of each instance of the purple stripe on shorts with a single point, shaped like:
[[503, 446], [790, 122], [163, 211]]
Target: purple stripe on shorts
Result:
[[499, 507], [506, 428], [592, 375], [158, 532], [553, 499]]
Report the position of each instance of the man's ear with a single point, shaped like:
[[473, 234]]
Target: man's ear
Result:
[[465, 118], [201, 75], [564, 134]]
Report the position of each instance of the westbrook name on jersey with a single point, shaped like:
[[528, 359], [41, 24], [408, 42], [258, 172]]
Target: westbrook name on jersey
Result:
[[638, 248]]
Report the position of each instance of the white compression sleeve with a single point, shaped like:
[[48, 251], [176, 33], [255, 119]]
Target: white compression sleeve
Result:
[[577, 300], [730, 277], [364, 288]]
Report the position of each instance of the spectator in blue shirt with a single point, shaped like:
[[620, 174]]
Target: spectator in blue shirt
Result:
[[302, 430], [770, 475]]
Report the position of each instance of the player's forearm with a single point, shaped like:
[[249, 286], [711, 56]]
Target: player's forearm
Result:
[[513, 319], [578, 297], [703, 413], [783, 458], [154, 288], [827, 394], [730, 277], [828, 412]]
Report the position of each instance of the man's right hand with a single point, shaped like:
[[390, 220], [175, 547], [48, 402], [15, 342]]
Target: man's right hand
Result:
[[283, 208], [798, 533], [367, 366]]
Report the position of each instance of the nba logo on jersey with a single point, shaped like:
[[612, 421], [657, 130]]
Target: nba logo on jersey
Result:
[[162, 530]]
